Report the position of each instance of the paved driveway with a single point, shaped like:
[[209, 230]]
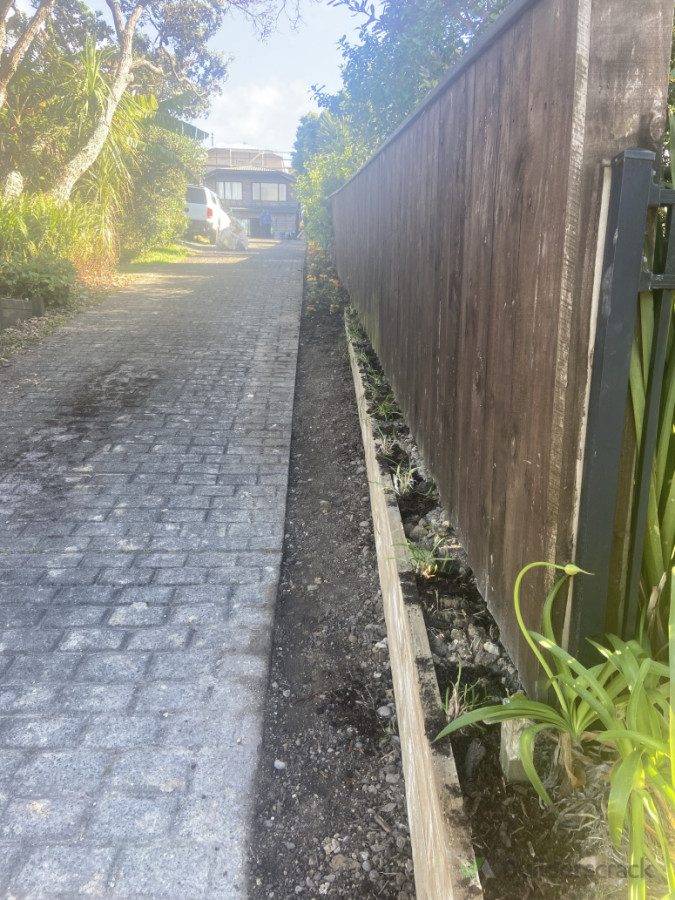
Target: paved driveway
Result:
[[143, 470]]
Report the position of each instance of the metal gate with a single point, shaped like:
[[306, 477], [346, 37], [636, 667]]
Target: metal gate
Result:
[[610, 598]]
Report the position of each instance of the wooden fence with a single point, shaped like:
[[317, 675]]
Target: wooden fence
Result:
[[471, 245]]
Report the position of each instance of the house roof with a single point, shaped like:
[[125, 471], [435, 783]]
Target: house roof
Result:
[[227, 174], [245, 158]]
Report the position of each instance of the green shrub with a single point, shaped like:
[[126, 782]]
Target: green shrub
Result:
[[47, 277], [14, 239], [68, 231], [34, 225], [155, 214]]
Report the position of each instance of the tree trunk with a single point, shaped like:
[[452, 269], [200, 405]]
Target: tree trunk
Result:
[[87, 156], [5, 8], [11, 63]]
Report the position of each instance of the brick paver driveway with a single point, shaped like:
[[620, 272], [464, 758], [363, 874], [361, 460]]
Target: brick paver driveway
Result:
[[143, 471]]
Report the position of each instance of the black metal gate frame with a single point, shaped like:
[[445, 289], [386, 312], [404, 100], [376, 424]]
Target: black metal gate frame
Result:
[[633, 192]]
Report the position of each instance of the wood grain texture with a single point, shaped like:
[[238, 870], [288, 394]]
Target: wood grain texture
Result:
[[439, 829], [468, 246]]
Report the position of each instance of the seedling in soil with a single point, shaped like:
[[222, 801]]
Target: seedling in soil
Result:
[[375, 386], [369, 372], [403, 478], [459, 700], [425, 562], [386, 409], [361, 355], [388, 443]]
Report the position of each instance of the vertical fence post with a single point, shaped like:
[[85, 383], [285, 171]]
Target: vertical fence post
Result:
[[632, 179]]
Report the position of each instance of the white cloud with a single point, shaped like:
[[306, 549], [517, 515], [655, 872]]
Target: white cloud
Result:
[[264, 114]]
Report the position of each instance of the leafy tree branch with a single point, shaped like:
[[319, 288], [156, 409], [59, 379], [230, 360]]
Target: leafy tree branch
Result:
[[9, 61], [168, 40]]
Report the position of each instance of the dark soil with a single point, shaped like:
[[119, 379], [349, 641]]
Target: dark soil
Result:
[[331, 817]]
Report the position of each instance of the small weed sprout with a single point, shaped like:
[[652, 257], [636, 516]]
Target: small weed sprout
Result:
[[388, 443], [425, 562], [458, 699], [404, 479], [386, 409], [361, 354], [383, 406]]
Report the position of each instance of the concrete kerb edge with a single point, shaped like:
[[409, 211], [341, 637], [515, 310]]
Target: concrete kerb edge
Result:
[[443, 857]]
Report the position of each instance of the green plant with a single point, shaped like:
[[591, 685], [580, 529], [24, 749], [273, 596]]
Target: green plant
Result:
[[659, 547], [655, 593], [425, 562], [627, 702], [321, 283], [48, 278], [575, 714], [387, 442], [375, 383], [154, 215], [643, 777], [460, 698], [403, 479], [13, 230], [386, 409], [34, 225]]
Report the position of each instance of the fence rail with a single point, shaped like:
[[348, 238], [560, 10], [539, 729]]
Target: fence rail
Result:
[[471, 245]]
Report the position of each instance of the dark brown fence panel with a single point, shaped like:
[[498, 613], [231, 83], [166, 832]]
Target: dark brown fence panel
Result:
[[469, 245]]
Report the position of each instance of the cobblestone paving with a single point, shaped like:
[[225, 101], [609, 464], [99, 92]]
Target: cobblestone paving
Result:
[[143, 473]]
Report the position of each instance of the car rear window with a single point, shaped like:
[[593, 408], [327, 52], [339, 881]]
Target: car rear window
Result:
[[195, 195]]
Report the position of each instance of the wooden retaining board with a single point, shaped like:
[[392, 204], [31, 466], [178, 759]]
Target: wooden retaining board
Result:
[[13, 311], [443, 856]]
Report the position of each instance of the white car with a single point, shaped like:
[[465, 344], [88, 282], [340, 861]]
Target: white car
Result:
[[205, 213]]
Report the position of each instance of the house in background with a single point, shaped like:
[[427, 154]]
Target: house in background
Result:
[[249, 181]]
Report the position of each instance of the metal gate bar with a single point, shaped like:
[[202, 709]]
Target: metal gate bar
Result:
[[633, 192]]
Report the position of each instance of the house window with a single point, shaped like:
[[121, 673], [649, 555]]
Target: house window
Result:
[[229, 190], [269, 193]]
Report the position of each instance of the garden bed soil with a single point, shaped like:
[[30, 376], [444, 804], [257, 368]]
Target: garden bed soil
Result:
[[522, 848], [330, 816]]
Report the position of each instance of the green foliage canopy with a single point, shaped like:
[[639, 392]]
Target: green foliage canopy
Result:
[[401, 53], [156, 210], [88, 109]]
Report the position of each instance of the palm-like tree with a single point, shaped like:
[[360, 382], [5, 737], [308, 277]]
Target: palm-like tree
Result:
[[108, 181]]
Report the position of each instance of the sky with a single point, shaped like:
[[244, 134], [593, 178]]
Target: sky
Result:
[[268, 88], [269, 84]]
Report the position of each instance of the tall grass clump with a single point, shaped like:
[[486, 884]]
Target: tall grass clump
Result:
[[43, 245], [655, 593], [34, 225]]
